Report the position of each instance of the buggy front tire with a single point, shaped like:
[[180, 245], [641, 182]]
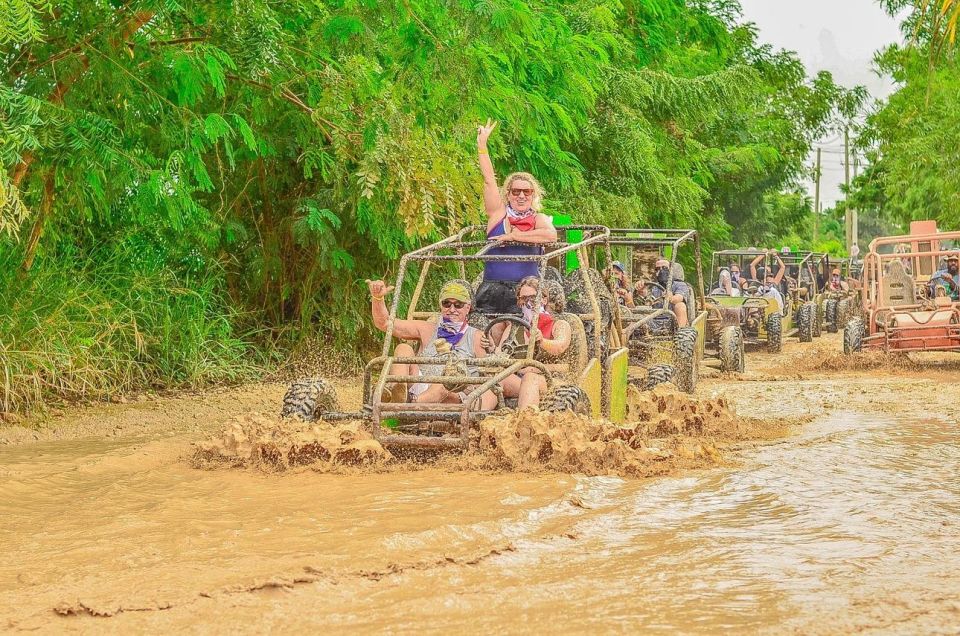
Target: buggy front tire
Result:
[[853, 334], [685, 359], [307, 399], [775, 333], [831, 315], [732, 358], [805, 318]]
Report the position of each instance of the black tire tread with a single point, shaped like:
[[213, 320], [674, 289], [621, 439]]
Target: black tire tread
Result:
[[775, 333], [306, 399], [730, 346], [565, 397], [685, 359]]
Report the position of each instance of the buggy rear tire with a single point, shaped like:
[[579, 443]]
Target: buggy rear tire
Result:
[[775, 333], [307, 399], [685, 360], [831, 315], [817, 319], [658, 374], [566, 397], [805, 318], [853, 334], [731, 350]]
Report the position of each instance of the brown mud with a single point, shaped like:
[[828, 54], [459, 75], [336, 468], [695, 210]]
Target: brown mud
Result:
[[668, 431], [715, 514]]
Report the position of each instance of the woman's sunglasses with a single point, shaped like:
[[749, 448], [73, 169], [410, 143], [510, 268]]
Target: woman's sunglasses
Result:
[[528, 192], [457, 304]]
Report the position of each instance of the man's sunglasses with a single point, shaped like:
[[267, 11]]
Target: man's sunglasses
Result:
[[447, 304], [518, 191]]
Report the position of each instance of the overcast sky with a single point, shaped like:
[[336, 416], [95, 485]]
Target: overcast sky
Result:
[[840, 36]]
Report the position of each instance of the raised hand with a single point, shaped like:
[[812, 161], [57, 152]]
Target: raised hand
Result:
[[483, 133], [378, 288]]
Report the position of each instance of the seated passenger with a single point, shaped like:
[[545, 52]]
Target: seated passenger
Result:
[[451, 331], [553, 340], [836, 283], [621, 283], [725, 285], [948, 278], [677, 294], [735, 275], [513, 214], [771, 289], [757, 274]]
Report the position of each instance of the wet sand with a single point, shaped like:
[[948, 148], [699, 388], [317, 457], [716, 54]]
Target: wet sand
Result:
[[847, 523]]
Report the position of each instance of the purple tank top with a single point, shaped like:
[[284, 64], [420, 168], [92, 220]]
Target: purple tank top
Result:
[[505, 270]]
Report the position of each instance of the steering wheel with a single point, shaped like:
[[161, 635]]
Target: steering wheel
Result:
[[508, 341], [753, 286]]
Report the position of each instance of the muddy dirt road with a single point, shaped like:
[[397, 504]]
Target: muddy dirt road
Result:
[[851, 522]]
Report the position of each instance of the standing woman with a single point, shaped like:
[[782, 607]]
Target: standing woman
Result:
[[513, 215]]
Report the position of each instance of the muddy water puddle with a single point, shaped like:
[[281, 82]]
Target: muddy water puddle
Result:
[[852, 525]]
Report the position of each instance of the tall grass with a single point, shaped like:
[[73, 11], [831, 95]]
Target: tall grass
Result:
[[100, 329]]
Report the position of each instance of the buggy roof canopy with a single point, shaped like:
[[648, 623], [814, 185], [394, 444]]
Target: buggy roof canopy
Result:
[[458, 249], [652, 236]]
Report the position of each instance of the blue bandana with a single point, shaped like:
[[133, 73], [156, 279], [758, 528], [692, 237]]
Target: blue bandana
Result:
[[451, 331]]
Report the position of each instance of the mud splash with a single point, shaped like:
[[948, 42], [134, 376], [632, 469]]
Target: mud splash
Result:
[[863, 361], [669, 430], [272, 444]]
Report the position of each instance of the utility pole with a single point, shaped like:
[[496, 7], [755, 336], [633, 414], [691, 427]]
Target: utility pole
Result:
[[816, 201], [854, 216], [847, 216]]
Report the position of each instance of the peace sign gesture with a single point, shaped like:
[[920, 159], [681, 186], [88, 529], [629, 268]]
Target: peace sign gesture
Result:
[[483, 133]]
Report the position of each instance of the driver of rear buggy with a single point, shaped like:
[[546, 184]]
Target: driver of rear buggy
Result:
[[449, 333], [678, 293], [948, 278]]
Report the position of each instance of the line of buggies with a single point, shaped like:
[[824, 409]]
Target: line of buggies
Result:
[[612, 345]]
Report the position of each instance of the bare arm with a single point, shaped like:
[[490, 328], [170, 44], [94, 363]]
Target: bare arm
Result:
[[492, 201], [560, 341], [543, 232], [753, 266], [783, 269], [480, 345], [404, 329]]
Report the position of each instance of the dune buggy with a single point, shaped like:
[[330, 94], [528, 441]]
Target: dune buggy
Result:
[[657, 343], [591, 378], [758, 316], [807, 272], [842, 305], [907, 307]]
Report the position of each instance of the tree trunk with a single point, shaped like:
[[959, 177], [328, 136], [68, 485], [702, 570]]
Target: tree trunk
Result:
[[38, 225]]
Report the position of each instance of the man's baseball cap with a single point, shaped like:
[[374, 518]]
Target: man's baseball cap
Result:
[[455, 290]]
